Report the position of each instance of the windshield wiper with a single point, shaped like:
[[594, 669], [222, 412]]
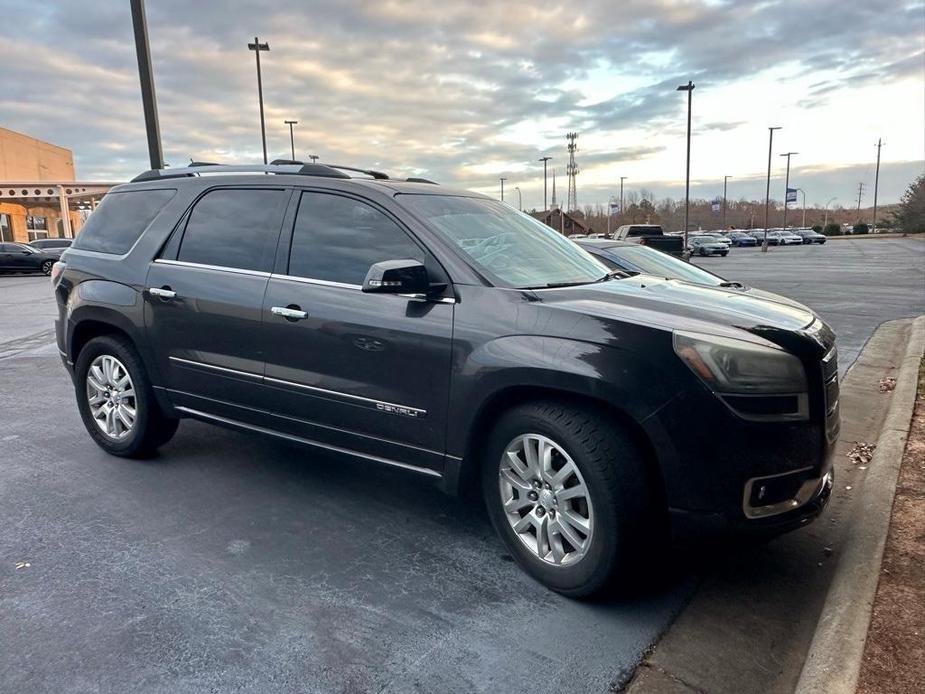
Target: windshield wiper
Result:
[[615, 275], [732, 285], [557, 285]]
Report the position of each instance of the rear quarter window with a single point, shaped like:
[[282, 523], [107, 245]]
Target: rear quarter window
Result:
[[120, 219]]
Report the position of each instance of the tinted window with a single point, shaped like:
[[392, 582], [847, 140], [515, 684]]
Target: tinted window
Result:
[[119, 220], [233, 227], [644, 231], [337, 239]]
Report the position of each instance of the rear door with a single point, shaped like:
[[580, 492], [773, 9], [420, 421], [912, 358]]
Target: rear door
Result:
[[205, 293], [364, 372]]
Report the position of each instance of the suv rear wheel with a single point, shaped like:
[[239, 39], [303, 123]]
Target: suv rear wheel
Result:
[[567, 490], [116, 401]]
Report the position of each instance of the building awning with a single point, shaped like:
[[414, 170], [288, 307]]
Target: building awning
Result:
[[67, 195]]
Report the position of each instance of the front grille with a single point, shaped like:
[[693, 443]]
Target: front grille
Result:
[[831, 394]]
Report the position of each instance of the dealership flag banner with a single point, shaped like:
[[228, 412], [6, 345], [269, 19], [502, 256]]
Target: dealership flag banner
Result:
[[791, 195], [614, 208], [715, 205]]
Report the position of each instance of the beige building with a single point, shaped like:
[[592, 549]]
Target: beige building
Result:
[[39, 194]]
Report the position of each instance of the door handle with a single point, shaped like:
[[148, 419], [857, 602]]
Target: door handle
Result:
[[290, 313], [162, 292]]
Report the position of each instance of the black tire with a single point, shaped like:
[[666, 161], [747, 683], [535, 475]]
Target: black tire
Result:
[[152, 428], [703, 252], [626, 519], [46, 266]]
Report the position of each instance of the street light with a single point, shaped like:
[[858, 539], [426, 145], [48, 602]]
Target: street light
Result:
[[725, 182], [787, 186], [520, 199], [145, 76], [622, 178], [689, 88], [826, 222], [767, 194], [545, 203], [803, 225], [257, 47], [502, 179], [290, 123]]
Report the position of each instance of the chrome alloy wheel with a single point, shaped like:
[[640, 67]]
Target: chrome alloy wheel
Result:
[[111, 396], [545, 499]]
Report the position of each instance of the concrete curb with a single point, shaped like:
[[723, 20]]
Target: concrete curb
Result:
[[833, 663]]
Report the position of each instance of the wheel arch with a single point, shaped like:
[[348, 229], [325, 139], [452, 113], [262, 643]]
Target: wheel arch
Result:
[[461, 476]]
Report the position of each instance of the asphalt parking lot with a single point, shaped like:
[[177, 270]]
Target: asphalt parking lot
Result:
[[233, 563]]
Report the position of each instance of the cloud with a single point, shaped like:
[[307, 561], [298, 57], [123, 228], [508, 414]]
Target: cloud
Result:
[[448, 90]]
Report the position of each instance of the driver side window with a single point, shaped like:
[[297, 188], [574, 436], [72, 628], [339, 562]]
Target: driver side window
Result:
[[337, 239]]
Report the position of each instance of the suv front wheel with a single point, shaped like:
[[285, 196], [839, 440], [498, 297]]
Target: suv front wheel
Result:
[[566, 489], [116, 401]]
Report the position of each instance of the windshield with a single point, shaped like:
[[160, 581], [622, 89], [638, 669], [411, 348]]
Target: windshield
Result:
[[512, 248], [652, 262]]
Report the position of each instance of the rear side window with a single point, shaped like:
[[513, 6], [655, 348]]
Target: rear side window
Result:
[[644, 231], [337, 239], [233, 227], [119, 220]]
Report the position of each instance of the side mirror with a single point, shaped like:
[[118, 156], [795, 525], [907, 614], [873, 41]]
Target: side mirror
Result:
[[397, 277]]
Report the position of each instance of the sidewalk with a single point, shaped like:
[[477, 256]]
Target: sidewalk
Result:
[[751, 625]]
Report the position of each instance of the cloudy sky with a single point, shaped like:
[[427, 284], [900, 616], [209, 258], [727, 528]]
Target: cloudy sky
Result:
[[465, 91]]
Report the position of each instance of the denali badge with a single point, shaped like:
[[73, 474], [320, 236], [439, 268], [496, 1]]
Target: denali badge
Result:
[[398, 409]]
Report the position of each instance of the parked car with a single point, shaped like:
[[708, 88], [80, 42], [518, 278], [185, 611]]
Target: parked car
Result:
[[650, 235], [20, 257], [777, 237], [742, 239], [707, 245], [632, 259], [52, 246], [791, 239], [446, 334], [809, 236]]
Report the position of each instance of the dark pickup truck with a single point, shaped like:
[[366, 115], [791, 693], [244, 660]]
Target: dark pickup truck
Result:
[[650, 235]]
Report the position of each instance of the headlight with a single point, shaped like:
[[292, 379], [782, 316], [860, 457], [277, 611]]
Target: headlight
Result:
[[738, 367]]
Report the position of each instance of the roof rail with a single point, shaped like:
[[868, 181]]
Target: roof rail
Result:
[[415, 179], [198, 168]]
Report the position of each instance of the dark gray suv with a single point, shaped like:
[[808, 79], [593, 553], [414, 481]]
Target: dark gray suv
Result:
[[442, 332]]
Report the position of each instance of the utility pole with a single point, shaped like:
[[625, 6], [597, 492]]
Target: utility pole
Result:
[[290, 123], [146, 77], [767, 193], [545, 199], [689, 88], [257, 47], [860, 193], [877, 183], [725, 182], [787, 187], [502, 179]]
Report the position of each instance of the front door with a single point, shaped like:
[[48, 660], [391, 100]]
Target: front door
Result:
[[364, 372], [204, 297]]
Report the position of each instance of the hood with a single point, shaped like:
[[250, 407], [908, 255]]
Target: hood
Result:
[[673, 304]]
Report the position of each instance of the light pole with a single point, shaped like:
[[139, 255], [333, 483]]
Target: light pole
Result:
[[622, 178], [257, 47], [609, 214], [826, 222], [290, 123], [520, 199], [313, 157], [803, 225], [502, 179], [767, 194], [725, 182], [787, 187], [877, 183], [545, 203], [145, 76], [689, 88]]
